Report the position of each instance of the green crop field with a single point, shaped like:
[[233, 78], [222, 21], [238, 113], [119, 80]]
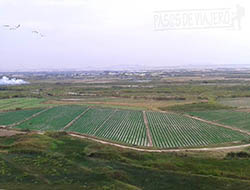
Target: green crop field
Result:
[[91, 121], [126, 127], [121, 126], [167, 130], [173, 130], [7, 118], [54, 119], [236, 119], [21, 103]]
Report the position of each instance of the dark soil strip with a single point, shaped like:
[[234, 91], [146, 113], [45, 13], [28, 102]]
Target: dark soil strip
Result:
[[147, 128]]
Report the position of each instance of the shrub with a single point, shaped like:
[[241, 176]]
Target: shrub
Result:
[[240, 154]]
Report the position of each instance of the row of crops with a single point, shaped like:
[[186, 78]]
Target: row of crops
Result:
[[173, 130], [124, 126], [121, 126], [236, 119], [91, 121]]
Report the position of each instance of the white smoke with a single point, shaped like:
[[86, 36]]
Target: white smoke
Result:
[[8, 81]]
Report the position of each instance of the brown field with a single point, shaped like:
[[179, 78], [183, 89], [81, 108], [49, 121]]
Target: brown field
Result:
[[119, 102]]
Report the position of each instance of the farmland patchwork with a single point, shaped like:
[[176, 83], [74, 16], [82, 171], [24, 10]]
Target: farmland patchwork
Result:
[[166, 130]]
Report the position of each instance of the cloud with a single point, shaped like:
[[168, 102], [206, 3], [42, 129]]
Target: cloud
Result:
[[7, 81]]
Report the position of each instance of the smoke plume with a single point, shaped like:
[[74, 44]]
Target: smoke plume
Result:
[[7, 81]]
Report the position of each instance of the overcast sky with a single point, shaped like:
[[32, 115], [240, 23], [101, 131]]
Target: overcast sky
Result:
[[113, 34]]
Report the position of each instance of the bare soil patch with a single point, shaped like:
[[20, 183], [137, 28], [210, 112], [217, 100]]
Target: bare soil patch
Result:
[[8, 133]]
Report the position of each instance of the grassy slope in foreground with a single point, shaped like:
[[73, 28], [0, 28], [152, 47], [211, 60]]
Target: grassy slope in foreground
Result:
[[57, 161], [235, 119], [54, 119]]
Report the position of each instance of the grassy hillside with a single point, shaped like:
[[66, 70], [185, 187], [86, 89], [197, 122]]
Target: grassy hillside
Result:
[[58, 161]]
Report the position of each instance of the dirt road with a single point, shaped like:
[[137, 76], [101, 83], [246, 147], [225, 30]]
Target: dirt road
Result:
[[8, 133], [150, 143]]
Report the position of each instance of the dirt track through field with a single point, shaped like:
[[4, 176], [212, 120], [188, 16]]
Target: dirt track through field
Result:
[[74, 120], [158, 150], [8, 133], [150, 143]]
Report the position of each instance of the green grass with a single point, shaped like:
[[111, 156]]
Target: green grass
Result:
[[103, 105], [242, 102], [173, 130], [196, 107], [232, 118], [57, 161], [54, 119], [7, 118], [21, 103]]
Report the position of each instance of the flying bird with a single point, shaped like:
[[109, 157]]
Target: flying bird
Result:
[[15, 27], [38, 33], [19, 25]]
